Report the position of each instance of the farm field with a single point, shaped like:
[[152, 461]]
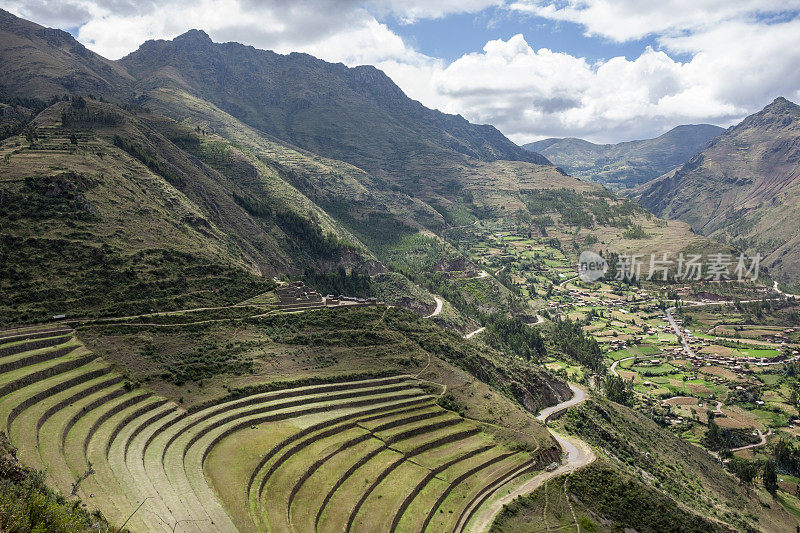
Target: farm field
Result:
[[740, 367], [352, 454]]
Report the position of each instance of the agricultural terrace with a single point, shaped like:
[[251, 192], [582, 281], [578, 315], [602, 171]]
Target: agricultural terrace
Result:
[[343, 453]]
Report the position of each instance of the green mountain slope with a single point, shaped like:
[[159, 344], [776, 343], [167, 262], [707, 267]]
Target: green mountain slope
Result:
[[356, 115], [647, 479], [45, 62], [628, 164], [744, 188], [87, 227], [356, 198], [255, 162], [233, 207], [99, 184]]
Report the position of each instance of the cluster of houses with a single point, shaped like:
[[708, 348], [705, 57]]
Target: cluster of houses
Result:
[[297, 297], [583, 297], [783, 338], [738, 365]]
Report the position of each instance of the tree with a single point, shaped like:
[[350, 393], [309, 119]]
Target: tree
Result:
[[787, 456], [569, 337], [744, 470], [794, 398], [713, 438], [618, 390], [770, 477], [31, 134]]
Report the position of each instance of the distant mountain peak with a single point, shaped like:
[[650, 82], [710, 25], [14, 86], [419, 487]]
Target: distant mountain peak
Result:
[[193, 36], [743, 188], [780, 104], [778, 114], [628, 164]]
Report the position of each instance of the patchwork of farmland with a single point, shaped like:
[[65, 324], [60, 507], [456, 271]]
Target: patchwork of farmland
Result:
[[374, 454]]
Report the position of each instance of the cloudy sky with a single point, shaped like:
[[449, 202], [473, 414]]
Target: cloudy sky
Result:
[[601, 70]]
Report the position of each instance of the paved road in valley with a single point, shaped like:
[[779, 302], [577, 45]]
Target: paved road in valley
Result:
[[678, 331], [578, 396]]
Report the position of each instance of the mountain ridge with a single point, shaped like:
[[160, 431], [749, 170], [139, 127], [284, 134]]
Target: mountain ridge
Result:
[[627, 164], [744, 188], [63, 64], [295, 97]]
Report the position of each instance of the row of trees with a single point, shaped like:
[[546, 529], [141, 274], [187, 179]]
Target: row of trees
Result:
[[515, 336], [340, 282], [748, 472], [569, 338], [787, 457], [618, 390], [717, 438]]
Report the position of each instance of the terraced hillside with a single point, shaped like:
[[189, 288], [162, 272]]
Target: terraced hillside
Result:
[[355, 455]]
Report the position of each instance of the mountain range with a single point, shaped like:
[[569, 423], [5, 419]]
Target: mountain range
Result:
[[244, 159], [172, 205], [628, 164], [744, 188]]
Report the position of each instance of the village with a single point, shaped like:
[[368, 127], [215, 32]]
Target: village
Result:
[[686, 349], [294, 297]]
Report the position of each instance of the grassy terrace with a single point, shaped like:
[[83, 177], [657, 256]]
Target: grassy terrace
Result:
[[353, 454]]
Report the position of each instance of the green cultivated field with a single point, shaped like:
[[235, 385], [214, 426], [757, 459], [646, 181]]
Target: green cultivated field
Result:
[[349, 454]]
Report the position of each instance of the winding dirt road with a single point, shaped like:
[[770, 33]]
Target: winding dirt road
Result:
[[539, 320], [776, 289], [565, 281], [473, 333], [439, 306], [577, 454], [763, 436], [613, 368]]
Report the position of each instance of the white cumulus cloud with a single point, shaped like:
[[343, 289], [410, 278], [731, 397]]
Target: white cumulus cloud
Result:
[[532, 93], [711, 60]]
